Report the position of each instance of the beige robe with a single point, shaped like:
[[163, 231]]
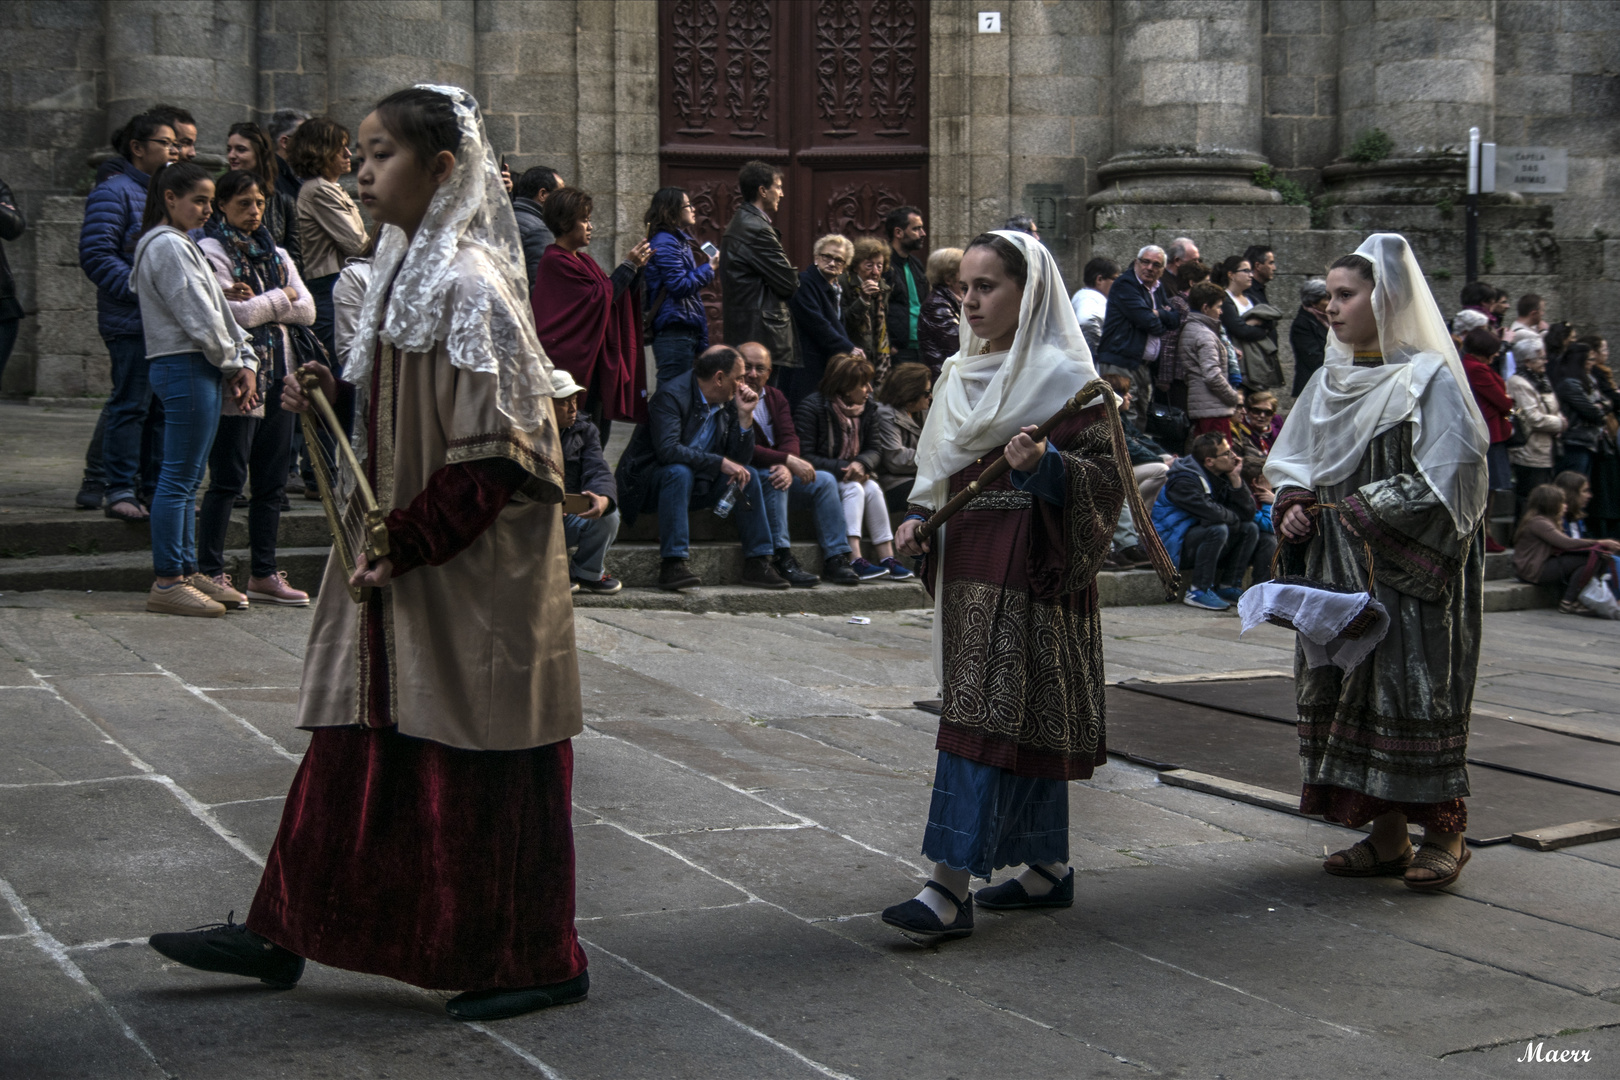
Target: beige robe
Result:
[[480, 650]]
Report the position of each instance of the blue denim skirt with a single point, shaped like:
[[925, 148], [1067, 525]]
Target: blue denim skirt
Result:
[[983, 818]]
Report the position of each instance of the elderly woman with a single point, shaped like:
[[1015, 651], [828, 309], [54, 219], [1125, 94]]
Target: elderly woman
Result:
[[1537, 405], [902, 403], [1308, 332], [866, 302], [818, 313], [941, 316]]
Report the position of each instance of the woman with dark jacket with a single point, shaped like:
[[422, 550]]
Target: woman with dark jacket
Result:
[[940, 322], [838, 432], [866, 302], [817, 309], [1583, 405], [12, 224], [1495, 404], [1308, 333], [673, 280], [902, 404]]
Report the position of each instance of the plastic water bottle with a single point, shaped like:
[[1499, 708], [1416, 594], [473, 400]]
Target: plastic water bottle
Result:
[[727, 501]]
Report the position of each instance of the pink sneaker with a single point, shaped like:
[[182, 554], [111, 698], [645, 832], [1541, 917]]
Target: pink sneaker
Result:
[[275, 590]]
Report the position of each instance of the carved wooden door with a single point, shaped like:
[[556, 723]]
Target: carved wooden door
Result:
[[832, 92]]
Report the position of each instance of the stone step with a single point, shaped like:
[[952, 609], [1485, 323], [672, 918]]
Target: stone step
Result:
[[90, 532], [824, 599], [1515, 595]]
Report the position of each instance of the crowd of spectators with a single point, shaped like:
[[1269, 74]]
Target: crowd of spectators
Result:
[[817, 400]]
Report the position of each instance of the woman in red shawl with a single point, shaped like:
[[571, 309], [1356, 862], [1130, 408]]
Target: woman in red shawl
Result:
[[589, 323]]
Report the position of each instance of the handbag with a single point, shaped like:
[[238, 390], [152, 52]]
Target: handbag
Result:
[[1597, 596], [1166, 425], [1521, 431]]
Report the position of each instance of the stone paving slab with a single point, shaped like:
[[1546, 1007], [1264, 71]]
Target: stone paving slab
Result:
[[750, 791], [43, 740], [53, 1029]]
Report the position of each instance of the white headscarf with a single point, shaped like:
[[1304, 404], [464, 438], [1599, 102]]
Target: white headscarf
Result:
[[980, 401], [494, 333], [1344, 407]]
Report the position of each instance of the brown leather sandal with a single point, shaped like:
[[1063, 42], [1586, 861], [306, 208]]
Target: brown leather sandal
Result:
[[1361, 860], [1437, 859]]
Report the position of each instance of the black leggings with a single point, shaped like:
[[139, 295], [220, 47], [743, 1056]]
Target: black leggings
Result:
[[1573, 570]]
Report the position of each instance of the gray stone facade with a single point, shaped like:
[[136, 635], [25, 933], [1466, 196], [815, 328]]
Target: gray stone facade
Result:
[[1136, 119]]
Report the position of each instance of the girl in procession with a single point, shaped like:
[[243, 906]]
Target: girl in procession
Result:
[[1381, 483], [427, 836], [1017, 639]]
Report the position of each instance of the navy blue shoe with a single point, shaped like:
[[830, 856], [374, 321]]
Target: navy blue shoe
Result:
[[897, 570], [1011, 895], [918, 922], [867, 572], [1230, 593]]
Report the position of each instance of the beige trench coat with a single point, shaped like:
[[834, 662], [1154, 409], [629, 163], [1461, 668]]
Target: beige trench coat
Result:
[[480, 650]]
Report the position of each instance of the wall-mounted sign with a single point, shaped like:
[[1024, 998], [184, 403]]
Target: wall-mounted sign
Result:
[[989, 22], [1532, 169]]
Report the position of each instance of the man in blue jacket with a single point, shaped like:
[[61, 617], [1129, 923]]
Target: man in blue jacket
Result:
[[695, 448], [122, 449], [1137, 316]]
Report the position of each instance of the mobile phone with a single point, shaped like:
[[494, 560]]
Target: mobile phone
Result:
[[709, 249]]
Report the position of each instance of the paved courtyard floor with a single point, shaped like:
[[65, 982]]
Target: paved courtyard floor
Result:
[[750, 792]]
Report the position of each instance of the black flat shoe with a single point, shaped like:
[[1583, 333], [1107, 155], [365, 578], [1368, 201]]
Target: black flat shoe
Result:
[[1011, 895], [233, 949], [918, 922], [477, 1005]]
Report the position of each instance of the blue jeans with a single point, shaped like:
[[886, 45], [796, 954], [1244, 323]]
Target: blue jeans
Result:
[[675, 352], [124, 417], [192, 391], [592, 537], [822, 495], [1576, 459], [672, 489]]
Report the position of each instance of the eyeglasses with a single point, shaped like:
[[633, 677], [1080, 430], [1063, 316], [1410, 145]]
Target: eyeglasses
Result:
[[1150, 263], [832, 260], [167, 144], [1264, 412]]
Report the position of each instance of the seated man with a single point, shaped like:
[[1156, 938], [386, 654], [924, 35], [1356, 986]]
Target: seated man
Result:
[[691, 453], [1222, 541], [783, 474], [585, 472]]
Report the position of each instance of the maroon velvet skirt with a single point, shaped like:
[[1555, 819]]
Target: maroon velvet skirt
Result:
[[447, 869], [1354, 809]]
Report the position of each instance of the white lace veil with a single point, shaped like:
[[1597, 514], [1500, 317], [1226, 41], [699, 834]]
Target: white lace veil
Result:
[[980, 401], [1344, 407], [492, 329]]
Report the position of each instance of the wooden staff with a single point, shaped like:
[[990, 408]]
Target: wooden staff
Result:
[[1168, 575], [369, 532]]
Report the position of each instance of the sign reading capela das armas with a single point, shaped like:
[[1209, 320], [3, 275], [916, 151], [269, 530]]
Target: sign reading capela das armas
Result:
[[1532, 169]]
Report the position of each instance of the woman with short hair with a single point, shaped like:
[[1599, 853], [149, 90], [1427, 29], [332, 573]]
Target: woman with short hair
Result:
[[940, 322], [818, 313], [866, 302], [1308, 332], [588, 321], [1537, 405], [902, 403], [329, 224]]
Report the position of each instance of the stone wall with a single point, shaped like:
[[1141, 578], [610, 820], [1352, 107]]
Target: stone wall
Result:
[[1115, 122]]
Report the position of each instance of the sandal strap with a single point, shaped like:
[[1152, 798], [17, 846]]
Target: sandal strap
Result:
[[961, 908], [1360, 855], [1048, 875], [1436, 858]]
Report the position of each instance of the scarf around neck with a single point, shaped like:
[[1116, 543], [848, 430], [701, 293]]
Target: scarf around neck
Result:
[[849, 420]]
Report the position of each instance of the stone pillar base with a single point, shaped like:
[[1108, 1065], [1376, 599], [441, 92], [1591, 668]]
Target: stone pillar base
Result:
[[1181, 178], [1404, 180]]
